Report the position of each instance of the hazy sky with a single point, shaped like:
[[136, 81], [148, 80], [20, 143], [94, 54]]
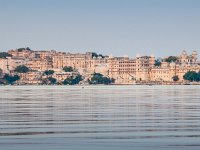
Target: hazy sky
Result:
[[117, 27]]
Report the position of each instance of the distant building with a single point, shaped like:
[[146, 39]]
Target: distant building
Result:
[[124, 70]]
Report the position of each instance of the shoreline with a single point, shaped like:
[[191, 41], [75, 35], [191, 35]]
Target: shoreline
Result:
[[107, 85]]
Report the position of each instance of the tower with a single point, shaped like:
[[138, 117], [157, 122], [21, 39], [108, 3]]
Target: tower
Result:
[[152, 60], [194, 57]]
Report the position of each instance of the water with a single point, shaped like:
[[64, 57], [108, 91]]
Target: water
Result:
[[100, 117]]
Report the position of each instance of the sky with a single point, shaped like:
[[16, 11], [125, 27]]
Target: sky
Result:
[[117, 27]]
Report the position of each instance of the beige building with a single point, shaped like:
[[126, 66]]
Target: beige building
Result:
[[9, 64], [34, 77], [21, 53], [128, 71], [39, 64], [168, 70], [124, 70]]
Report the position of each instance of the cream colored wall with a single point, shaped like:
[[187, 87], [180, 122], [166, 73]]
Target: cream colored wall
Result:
[[123, 69]]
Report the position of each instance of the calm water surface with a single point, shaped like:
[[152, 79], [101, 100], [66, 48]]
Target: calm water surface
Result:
[[100, 117]]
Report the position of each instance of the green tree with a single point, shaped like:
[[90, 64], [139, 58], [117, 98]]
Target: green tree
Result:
[[171, 59], [28, 48], [20, 49], [198, 76], [98, 78], [68, 81], [1, 82], [68, 69], [4, 55], [94, 55], [49, 72], [157, 63], [11, 79], [52, 80], [22, 69], [97, 55], [23, 49], [192, 76], [175, 78], [100, 55], [73, 80]]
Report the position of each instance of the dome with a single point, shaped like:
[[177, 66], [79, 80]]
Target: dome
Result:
[[194, 53], [184, 52]]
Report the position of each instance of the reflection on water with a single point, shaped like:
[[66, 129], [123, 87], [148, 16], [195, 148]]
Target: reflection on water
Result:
[[100, 117]]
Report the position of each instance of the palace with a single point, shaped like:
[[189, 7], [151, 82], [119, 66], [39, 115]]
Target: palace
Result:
[[123, 70]]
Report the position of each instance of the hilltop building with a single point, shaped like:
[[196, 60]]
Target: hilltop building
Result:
[[124, 70]]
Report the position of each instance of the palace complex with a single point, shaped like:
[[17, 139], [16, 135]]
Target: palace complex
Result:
[[123, 70]]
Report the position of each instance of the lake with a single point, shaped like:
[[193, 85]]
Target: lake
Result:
[[100, 117]]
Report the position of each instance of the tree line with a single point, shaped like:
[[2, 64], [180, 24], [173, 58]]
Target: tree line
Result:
[[96, 78]]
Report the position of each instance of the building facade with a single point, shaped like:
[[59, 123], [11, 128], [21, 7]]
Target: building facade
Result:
[[123, 70]]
